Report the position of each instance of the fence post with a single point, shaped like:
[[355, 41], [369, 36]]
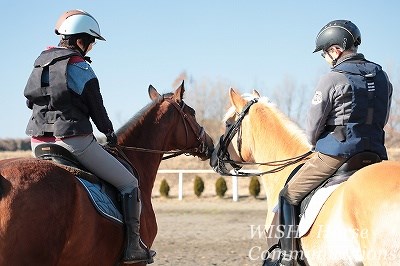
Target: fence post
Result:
[[235, 188], [180, 182]]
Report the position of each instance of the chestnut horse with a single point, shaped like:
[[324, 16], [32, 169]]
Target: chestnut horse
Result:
[[46, 216], [357, 225]]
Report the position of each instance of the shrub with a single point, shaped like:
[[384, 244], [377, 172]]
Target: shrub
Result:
[[254, 187], [198, 186], [220, 187], [164, 188]]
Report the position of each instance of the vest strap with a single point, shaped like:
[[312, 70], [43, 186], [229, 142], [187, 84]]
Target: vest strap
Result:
[[371, 96]]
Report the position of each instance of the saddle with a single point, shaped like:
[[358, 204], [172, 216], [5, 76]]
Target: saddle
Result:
[[104, 196], [323, 191], [354, 163]]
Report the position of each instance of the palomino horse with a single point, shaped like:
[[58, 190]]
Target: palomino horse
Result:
[[357, 225], [46, 217]]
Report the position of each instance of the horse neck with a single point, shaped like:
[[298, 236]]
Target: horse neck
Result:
[[144, 133], [275, 138]]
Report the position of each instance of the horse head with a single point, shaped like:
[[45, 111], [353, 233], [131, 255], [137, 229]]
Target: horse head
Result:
[[189, 137], [234, 149]]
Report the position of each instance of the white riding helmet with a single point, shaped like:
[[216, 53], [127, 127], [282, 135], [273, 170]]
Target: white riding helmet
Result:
[[78, 21]]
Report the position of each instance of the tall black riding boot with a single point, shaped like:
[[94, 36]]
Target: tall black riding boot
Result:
[[289, 219], [134, 252]]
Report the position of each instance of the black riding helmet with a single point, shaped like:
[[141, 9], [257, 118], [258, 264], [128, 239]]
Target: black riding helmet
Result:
[[338, 32]]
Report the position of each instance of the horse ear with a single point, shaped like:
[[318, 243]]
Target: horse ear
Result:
[[180, 91], [236, 100], [153, 93], [256, 94]]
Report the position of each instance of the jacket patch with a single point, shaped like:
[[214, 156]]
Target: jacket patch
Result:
[[317, 99]]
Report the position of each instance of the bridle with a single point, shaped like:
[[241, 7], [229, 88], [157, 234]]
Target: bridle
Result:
[[200, 135], [223, 156]]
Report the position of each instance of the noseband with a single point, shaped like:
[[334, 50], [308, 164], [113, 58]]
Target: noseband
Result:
[[223, 156]]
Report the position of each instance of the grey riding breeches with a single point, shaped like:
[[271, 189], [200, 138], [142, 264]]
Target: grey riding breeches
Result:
[[97, 160]]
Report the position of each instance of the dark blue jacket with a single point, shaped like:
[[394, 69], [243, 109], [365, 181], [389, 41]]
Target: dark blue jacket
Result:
[[357, 117]]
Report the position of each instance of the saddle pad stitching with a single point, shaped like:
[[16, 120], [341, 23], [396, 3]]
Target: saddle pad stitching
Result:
[[96, 205]]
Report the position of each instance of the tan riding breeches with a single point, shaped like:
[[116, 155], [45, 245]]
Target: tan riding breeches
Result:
[[315, 171]]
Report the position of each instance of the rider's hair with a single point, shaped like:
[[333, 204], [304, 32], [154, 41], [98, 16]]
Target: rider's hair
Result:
[[70, 41]]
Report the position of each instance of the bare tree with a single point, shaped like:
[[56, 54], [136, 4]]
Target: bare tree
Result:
[[393, 126], [210, 100], [291, 99]]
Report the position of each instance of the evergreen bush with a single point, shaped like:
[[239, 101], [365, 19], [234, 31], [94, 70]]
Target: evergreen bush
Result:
[[164, 188], [198, 186], [220, 187], [254, 187]]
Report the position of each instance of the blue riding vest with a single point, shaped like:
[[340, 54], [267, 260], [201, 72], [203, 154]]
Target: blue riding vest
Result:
[[369, 110]]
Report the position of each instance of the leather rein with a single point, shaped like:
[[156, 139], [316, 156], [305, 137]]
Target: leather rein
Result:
[[202, 148], [223, 156]]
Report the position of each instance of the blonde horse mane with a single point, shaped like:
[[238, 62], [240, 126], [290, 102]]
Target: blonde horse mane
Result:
[[296, 132]]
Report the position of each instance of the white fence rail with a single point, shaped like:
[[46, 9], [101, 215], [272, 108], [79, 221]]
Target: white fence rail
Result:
[[235, 181]]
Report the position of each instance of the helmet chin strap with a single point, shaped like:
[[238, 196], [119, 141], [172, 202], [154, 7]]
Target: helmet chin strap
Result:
[[83, 53], [334, 61]]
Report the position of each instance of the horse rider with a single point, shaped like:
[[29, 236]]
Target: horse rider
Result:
[[63, 93], [347, 115]]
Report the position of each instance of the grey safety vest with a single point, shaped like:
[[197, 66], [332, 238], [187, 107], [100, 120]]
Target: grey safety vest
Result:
[[57, 111]]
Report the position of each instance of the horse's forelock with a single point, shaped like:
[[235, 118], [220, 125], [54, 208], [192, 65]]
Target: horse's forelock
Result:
[[230, 113]]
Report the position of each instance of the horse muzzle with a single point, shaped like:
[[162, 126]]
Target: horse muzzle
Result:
[[218, 164]]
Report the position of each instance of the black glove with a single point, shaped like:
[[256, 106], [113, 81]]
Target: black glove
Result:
[[112, 139]]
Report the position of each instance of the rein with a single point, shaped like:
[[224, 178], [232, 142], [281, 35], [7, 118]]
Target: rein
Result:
[[280, 165], [223, 156], [202, 148]]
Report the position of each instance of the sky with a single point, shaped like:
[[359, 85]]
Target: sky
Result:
[[248, 44]]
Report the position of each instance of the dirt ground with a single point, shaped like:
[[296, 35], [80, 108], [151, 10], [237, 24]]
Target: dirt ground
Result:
[[209, 231]]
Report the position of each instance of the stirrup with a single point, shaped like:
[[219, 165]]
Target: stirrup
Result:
[[151, 255], [268, 261]]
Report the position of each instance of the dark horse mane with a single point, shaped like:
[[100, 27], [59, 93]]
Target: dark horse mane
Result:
[[137, 118]]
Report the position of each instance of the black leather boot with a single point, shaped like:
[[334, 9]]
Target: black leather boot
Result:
[[134, 251], [289, 220]]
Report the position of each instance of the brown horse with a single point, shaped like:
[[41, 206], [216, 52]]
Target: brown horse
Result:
[[357, 225], [46, 217]]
